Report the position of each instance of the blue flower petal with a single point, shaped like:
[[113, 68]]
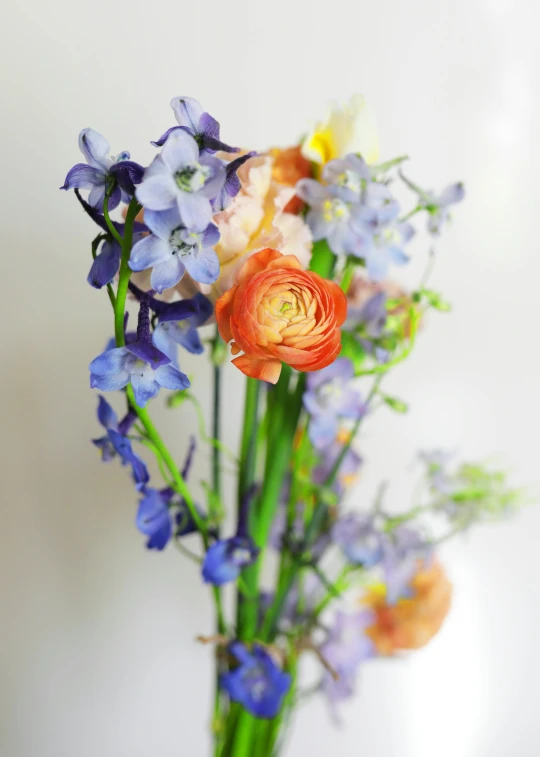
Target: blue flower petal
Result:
[[82, 176], [105, 265]]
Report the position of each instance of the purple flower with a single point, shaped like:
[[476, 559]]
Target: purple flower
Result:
[[226, 558], [172, 331], [105, 265], [143, 365], [345, 649], [193, 119], [401, 549], [154, 519], [436, 462], [232, 184], [172, 248], [329, 216], [179, 177], [139, 363], [99, 218], [378, 235], [115, 442], [257, 683], [359, 539], [161, 511], [348, 176], [328, 398], [100, 169], [438, 206], [348, 470]]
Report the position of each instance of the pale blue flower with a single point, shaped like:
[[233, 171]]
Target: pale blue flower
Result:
[[172, 249], [180, 177]]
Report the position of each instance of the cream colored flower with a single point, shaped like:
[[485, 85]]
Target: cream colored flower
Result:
[[256, 219], [346, 129]]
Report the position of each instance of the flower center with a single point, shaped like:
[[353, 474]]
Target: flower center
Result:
[[287, 315], [183, 241], [335, 210], [350, 180], [192, 178], [328, 393], [257, 683], [241, 555]]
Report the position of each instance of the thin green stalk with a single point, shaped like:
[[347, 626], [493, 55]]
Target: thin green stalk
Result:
[[216, 432], [110, 225], [124, 272], [246, 604], [178, 482], [249, 436], [348, 273]]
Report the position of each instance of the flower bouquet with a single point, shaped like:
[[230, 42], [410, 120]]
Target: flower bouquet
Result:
[[284, 256]]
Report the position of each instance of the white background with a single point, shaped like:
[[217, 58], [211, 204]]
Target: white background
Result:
[[98, 657]]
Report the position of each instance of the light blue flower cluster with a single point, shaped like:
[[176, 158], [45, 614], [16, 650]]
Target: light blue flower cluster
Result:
[[356, 215]]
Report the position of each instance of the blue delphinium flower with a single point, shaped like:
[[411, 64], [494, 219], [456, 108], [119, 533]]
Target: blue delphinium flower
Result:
[[105, 265], [438, 206], [192, 118], [139, 363], [346, 647], [436, 462], [371, 319], [329, 215], [330, 396], [180, 177], [99, 219], [359, 539], [348, 469], [100, 167], [348, 176], [364, 542], [162, 512], [172, 330], [258, 684], [356, 215], [171, 249], [232, 185], [378, 236], [154, 518], [115, 442], [226, 558], [402, 548]]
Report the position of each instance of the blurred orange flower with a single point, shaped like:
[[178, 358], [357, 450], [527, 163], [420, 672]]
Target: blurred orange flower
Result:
[[288, 168], [411, 622], [277, 312]]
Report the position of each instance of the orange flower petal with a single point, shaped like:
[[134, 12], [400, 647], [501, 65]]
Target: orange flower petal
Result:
[[266, 370]]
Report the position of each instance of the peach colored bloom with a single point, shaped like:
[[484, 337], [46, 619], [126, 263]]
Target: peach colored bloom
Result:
[[278, 312], [412, 622], [257, 218]]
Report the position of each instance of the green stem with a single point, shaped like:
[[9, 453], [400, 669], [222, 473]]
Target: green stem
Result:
[[348, 273], [216, 432], [110, 225], [246, 604], [249, 435], [124, 272], [178, 481]]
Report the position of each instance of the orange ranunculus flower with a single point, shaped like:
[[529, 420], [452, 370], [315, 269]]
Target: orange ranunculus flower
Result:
[[411, 622], [277, 312]]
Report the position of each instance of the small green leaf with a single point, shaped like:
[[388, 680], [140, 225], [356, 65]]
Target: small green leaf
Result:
[[396, 404], [176, 399]]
